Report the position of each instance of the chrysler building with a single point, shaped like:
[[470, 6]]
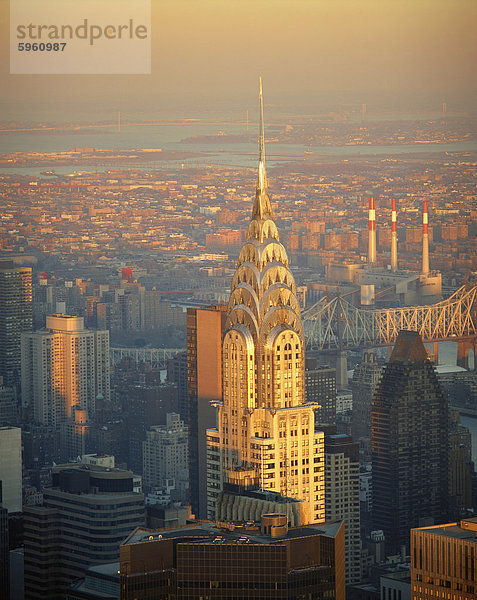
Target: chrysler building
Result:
[[265, 435]]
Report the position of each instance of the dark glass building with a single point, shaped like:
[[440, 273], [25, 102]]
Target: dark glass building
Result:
[[15, 317], [409, 438], [320, 387], [363, 386], [233, 561]]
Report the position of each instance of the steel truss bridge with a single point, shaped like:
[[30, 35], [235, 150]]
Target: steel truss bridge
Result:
[[157, 357], [335, 324]]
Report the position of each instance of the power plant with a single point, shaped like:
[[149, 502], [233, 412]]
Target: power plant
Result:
[[388, 286]]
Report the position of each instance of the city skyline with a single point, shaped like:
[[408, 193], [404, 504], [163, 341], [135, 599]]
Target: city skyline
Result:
[[160, 294]]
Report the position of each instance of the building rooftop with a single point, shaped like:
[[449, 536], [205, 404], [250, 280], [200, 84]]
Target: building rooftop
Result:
[[466, 529], [409, 348], [230, 533]]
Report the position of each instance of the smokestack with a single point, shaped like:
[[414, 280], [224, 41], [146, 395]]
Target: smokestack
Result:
[[372, 232], [394, 264], [425, 241]]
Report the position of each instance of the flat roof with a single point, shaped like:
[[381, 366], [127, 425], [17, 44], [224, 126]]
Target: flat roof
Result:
[[208, 533], [454, 530]]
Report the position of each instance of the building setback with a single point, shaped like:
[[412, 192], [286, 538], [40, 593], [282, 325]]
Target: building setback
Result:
[[409, 438]]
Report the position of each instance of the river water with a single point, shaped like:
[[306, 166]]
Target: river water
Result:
[[216, 151]]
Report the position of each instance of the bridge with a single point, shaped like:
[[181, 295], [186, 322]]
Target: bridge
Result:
[[333, 324], [157, 357]]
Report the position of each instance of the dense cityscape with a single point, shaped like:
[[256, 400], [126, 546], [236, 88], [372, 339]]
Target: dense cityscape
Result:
[[119, 387], [238, 321]]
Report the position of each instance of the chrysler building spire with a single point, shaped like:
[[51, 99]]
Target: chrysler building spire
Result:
[[262, 207]]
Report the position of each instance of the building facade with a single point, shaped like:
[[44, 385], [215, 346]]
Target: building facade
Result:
[[261, 562], [11, 468], [86, 514], [266, 428], [64, 367], [205, 328], [15, 318], [342, 496], [320, 387], [444, 561], [409, 438], [365, 380], [165, 456]]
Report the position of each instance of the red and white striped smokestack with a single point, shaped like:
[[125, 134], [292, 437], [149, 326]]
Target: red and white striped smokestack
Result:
[[425, 241], [394, 264], [372, 232]]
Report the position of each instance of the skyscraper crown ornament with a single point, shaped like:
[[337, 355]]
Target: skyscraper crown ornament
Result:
[[265, 427]]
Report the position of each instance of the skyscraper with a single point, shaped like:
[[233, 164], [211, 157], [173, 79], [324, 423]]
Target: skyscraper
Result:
[[64, 367], [266, 430], [320, 387], [15, 317], [85, 515], [364, 383], [205, 328], [409, 438], [342, 496], [165, 456]]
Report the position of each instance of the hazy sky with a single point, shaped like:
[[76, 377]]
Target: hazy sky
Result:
[[209, 53]]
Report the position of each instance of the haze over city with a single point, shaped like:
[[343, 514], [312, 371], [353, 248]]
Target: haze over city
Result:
[[238, 306]]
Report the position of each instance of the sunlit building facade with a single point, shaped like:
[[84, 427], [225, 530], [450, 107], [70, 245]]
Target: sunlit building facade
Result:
[[64, 367], [265, 432], [444, 561]]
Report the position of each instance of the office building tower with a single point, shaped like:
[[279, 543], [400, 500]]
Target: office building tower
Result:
[[226, 561], [444, 561], [320, 388], [11, 468], [15, 318], [8, 405], [365, 380], [342, 496], [64, 367], [165, 457], [409, 439], [205, 329], [266, 428], [461, 467], [86, 514], [145, 406]]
